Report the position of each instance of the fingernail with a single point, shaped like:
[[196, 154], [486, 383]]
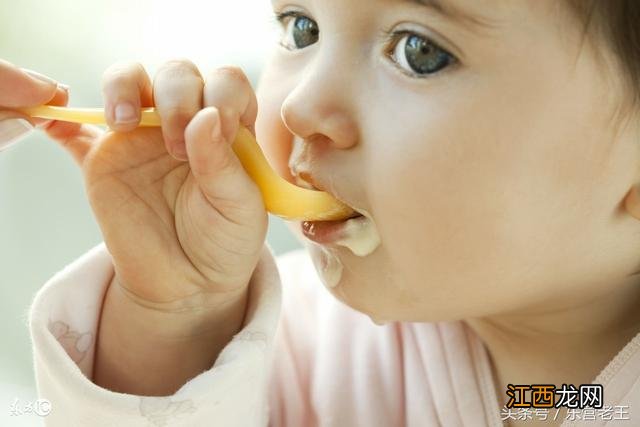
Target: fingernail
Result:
[[179, 150], [125, 113], [13, 130], [36, 75], [64, 87]]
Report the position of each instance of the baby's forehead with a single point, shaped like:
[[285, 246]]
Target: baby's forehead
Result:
[[472, 12], [493, 18], [488, 11], [487, 15]]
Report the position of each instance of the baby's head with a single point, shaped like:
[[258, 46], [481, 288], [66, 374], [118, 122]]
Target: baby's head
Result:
[[491, 142]]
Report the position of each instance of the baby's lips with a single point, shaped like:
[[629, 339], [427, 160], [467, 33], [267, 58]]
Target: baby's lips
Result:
[[309, 182]]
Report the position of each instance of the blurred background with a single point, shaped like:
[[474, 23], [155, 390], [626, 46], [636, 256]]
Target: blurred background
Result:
[[45, 220]]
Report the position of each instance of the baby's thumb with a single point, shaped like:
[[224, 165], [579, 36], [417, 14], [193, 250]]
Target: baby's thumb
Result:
[[217, 170]]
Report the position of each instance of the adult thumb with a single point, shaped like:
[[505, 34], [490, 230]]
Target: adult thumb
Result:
[[21, 88]]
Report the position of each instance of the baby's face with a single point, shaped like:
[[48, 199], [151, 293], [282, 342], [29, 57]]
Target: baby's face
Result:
[[479, 138]]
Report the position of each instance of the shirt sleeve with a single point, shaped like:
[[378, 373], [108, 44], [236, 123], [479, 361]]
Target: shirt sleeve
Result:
[[63, 322]]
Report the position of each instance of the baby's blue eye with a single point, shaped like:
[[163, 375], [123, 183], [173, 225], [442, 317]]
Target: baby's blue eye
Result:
[[299, 30], [419, 56]]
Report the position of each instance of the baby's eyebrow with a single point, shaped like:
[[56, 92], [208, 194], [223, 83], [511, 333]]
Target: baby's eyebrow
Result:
[[450, 11]]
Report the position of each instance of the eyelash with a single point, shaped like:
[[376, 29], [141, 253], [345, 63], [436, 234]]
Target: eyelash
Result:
[[282, 17], [392, 38], [389, 37]]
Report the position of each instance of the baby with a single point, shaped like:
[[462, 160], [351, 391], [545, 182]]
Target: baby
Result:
[[490, 149]]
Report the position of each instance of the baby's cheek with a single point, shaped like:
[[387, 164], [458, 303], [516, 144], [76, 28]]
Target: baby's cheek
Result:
[[272, 134], [440, 238]]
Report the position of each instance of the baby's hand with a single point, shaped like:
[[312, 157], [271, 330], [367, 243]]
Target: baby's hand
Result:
[[183, 235], [185, 229]]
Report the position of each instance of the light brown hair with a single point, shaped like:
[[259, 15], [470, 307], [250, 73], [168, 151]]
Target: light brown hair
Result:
[[617, 23]]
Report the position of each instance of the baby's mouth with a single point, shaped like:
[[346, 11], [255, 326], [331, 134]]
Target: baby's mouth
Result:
[[300, 168], [306, 180], [358, 232]]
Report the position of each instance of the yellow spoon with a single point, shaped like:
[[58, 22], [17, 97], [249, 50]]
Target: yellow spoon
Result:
[[280, 197]]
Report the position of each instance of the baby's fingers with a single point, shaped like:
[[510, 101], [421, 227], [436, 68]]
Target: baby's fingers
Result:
[[126, 88], [218, 171], [228, 89], [177, 91]]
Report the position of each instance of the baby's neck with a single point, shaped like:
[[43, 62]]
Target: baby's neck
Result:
[[566, 344]]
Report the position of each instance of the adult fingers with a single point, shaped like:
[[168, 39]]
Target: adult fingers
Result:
[[14, 125], [24, 88]]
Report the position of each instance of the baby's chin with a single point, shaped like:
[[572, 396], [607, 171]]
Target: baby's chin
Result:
[[367, 285], [349, 285]]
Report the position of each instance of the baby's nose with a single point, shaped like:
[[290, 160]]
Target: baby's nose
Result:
[[319, 111]]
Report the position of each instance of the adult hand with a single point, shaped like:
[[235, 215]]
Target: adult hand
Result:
[[20, 88]]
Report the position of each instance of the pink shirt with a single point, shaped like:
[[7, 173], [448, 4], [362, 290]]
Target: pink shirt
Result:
[[301, 359]]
